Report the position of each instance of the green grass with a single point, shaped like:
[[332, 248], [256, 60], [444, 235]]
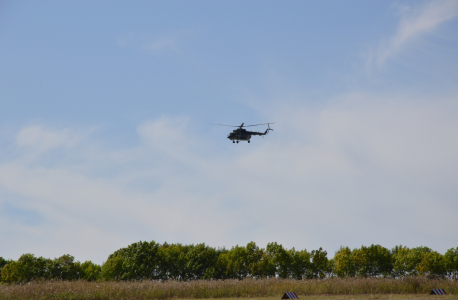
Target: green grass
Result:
[[356, 297], [268, 289]]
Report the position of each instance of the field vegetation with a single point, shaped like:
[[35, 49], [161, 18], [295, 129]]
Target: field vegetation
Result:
[[273, 288]]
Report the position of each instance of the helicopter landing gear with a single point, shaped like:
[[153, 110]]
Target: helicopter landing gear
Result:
[[233, 141], [248, 141], [237, 142]]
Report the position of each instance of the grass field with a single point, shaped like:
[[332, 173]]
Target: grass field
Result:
[[355, 297], [265, 289]]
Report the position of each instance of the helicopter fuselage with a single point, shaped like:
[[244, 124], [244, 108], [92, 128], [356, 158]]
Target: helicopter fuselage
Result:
[[241, 134]]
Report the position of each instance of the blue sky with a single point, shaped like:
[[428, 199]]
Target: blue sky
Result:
[[104, 138]]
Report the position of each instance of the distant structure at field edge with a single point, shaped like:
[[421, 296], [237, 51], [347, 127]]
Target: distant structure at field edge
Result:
[[290, 295], [436, 292]]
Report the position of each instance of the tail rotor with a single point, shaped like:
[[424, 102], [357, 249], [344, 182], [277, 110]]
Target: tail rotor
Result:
[[268, 127]]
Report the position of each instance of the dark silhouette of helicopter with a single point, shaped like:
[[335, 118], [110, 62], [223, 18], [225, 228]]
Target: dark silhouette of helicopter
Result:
[[241, 134]]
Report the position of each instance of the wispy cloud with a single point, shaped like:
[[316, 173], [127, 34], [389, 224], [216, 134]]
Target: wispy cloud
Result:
[[164, 132], [350, 166], [39, 139], [154, 43], [413, 23]]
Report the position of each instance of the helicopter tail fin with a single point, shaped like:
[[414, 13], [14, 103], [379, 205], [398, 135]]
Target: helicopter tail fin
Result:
[[268, 129]]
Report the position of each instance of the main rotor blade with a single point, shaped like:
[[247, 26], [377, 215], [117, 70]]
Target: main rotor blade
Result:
[[223, 125], [241, 125], [258, 124]]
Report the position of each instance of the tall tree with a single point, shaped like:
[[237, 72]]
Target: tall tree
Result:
[[407, 261], [27, 268], [65, 268], [451, 262], [237, 263], [320, 264], [142, 260], [280, 259], [343, 263], [299, 263], [432, 264], [174, 263], [199, 259], [372, 261], [113, 269], [90, 271]]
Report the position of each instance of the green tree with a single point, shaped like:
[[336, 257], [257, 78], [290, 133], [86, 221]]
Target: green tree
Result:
[[26, 268], [343, 263], [263, 266], [381, 261], [242, 262], [64, 268], [3, 262], [299, 263], [112, 269], [237, 263], [280, 259], [90, 271], [401, 265], [174, 263], [29, 267], [200, 258], [11, 272], [451, 262], [320, 264], [407, 261], [432, 264], [255, 258], [331, 268], [138, 261], [220, 269], [270, 262], [372, 261]]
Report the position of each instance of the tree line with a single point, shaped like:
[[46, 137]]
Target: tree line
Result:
[[151, 260]]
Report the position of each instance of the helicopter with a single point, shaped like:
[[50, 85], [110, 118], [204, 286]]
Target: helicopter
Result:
[[241, 134]]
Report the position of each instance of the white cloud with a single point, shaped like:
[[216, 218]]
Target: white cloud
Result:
[[414, 23], [166, 42], [164, 132], [40, 139], [365, 169], [154, 43]]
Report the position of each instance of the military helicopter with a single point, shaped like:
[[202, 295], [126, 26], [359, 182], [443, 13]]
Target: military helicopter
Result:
[[241, 134]]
